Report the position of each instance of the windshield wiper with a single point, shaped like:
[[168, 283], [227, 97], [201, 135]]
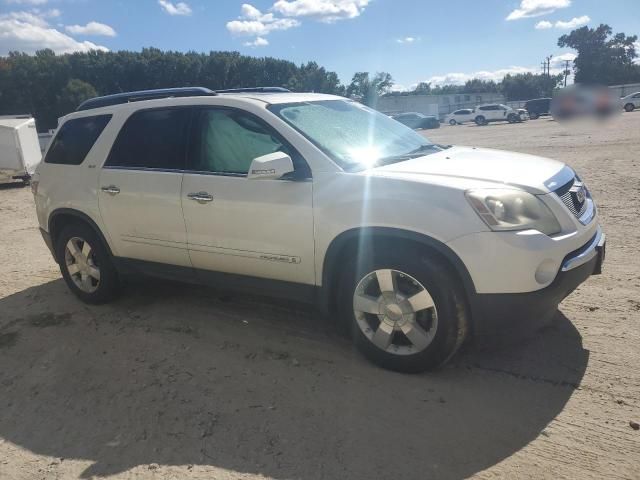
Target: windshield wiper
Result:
[[418, 152], [425, 147]]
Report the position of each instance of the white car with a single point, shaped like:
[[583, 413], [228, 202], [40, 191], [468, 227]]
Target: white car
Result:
[[484, 114], [631, 102], [414, 246], [460, 116]]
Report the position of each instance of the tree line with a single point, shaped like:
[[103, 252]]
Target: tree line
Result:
[[48, 86]]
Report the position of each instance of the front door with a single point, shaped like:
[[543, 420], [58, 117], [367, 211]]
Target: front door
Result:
[[140, 187], [260, 228]]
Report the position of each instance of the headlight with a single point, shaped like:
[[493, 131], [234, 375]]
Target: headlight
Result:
[[511, 209]]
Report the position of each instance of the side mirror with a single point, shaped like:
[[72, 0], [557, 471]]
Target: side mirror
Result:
[[271, 166]]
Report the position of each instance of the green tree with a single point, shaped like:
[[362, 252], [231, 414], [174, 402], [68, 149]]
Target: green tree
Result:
[[423, 88], [49, 85], [524, 86], [602, 57], [475, 85], [74, 93], [369, 89]]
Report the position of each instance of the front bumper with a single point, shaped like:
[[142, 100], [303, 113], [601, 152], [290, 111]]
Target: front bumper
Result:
[[515, 315]]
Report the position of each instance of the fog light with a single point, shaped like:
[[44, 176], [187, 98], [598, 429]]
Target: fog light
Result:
[[546, 271]]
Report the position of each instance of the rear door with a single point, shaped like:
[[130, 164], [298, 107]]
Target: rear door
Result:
[[254, 227], [140, 186]]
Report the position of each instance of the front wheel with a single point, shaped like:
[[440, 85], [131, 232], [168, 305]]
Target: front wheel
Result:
[[512, 118], [404, 309], [86, 265], [629, 107], [533, 116], [480, 120]]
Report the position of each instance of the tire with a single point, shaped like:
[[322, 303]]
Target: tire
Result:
[[442, 327], [87, 269], [629, 107], [533, 116], [480, 120], [512, 118], [453, 123]]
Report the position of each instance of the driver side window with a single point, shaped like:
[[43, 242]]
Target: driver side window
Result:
[[226, 142]]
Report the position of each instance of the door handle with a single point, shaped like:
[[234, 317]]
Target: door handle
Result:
[[201, 197], [111, 190]]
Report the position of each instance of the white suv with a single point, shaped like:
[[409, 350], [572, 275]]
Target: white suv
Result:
[[631, 102], [414, 246], [484, 114]]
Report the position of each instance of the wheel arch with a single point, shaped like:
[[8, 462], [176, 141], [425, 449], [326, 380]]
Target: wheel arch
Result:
[[62, 217], [366, 237]]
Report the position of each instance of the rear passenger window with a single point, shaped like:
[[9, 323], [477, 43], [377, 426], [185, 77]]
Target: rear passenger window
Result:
[[152, 139], [75, 138]]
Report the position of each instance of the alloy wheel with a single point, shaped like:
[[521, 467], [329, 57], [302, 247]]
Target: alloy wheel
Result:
[[395, 312], [80, 261]]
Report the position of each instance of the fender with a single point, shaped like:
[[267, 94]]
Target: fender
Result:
[[332, 256], [80, 216]]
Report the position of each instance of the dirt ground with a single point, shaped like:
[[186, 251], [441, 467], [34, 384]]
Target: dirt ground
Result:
[[174, 381]]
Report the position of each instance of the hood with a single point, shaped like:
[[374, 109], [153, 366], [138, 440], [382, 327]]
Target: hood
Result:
[[535, 174]]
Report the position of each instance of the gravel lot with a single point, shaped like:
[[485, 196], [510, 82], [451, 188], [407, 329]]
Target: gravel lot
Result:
[[176, 381]]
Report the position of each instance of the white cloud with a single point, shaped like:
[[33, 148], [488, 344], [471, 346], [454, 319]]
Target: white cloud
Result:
[[457, 78], [91, 28], [544, 25], [536, 8], [560, 24], [258, 42], [461, 78], [327, 11], [408, 40], [558, 60], [252, 22], [179, 8], [573, 23], [28, 32]]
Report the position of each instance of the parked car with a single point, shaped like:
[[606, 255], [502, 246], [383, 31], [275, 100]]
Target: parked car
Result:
[[631, 102], [538, 107], [413, 246], [495, 113], [523, 114], [460, 116], [19, 148], [417, 120]]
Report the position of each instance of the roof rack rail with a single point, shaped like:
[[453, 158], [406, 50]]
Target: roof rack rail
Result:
[[127, 97], [255, 90]]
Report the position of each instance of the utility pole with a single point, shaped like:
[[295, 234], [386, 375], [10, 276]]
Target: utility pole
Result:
[[566, 71], [546, 66]]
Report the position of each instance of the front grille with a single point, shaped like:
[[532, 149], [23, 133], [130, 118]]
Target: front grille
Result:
[[570, 196]]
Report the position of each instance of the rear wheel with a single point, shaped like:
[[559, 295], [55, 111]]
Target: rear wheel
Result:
[[452, 122], [480, 120], [533, 116], [629, 107], [404, 310], [86, 265]]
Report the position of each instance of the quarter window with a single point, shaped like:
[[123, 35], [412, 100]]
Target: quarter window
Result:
[[227, 141], [152, 139], [75, 138]]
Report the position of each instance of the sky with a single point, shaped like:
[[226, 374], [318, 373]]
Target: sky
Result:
[[438, 41]]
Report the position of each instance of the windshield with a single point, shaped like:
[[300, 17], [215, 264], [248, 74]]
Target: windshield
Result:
[[354, 136]]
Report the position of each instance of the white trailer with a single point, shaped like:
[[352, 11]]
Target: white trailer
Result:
[[19, 148]]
